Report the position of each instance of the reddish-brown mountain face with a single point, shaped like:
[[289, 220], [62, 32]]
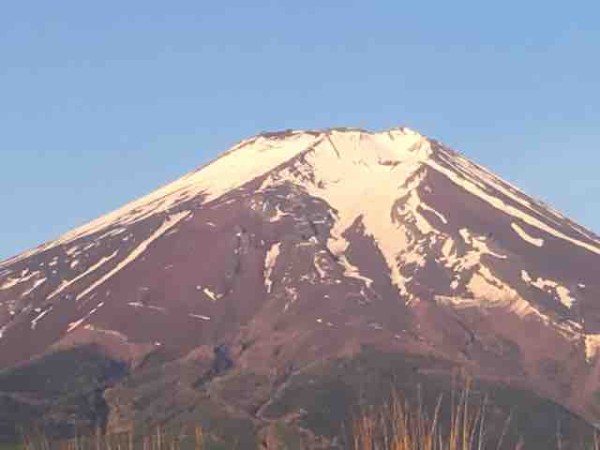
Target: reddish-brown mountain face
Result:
[[299, 249]]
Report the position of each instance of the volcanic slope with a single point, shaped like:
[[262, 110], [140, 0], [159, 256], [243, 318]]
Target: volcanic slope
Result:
[[300, 249]]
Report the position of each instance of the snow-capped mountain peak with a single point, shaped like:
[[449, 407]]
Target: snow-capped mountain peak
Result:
[[322, 241]]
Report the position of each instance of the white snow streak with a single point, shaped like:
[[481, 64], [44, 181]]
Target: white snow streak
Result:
[[199, 316], [351, 271], [526, 237], [77, 323], [91, 269], [36, 284], [166, 226], [12, 282], [497, 203], [270, 261], [71, 251], [439, 215], [210, 294], [39, 317], [144, 305]]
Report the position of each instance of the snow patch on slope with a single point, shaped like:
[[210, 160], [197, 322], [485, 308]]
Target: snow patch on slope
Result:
[[270, 261], [527, 237], [560, 292], [592, 345], [199, 316], [210, 294]]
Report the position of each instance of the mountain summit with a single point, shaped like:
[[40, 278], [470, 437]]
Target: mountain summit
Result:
[[302, 269]]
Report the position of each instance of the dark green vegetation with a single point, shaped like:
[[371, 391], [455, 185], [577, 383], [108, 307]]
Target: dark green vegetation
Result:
[[61, 393], [70, 393]]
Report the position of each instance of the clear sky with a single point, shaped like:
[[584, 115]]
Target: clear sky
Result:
[[101, 102]]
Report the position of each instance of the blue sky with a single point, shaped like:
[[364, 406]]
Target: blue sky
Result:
[[101, 102]]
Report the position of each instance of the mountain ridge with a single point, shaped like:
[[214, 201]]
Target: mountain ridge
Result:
[[79, 230]]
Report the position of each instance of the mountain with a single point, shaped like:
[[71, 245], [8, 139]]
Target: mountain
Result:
[[300, 276]]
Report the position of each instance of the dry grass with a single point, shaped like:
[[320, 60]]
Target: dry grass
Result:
[[397, 425], [400, 426], [156, 440]]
